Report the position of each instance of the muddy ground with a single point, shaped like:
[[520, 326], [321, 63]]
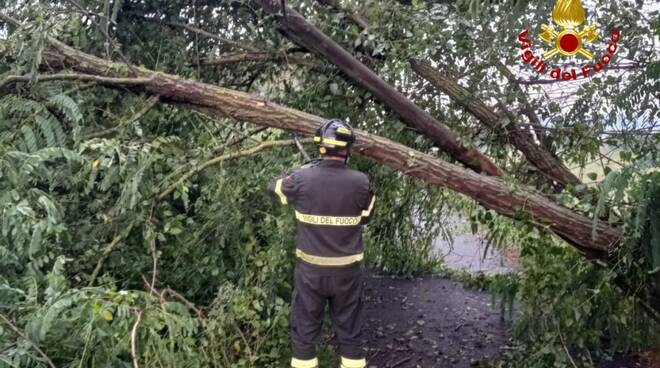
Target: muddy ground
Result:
[[432, 322]]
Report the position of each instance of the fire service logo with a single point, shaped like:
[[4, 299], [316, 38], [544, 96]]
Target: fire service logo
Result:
[[571, 40]]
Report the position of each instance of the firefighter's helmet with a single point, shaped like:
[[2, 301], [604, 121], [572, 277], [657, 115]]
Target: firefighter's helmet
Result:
[[335, 137]]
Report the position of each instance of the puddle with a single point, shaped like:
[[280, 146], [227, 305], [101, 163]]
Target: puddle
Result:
[[466, 253]]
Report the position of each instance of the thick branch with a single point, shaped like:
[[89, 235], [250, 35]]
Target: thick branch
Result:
[[75, 77], [305, 34], [519, 136], [491, 192]]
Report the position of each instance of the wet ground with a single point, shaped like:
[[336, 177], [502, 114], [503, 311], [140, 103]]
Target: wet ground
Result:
[[433, 322], [430, 322], [470, 253]]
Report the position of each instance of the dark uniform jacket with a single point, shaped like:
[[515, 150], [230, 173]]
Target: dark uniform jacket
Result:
[[331, 203]]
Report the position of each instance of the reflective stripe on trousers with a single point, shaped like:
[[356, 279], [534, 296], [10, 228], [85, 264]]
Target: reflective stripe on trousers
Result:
[[304, 363], [353, 363]]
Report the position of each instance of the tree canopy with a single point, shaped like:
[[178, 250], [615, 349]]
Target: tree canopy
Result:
[[136, 139]]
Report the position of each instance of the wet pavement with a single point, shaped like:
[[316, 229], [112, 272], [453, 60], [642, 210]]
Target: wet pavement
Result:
[[470, 253], [430, 322]]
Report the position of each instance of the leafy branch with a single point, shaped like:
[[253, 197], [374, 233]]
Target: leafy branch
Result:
[[230, 156], [16, 330]]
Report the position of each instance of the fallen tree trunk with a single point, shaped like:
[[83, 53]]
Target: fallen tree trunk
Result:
[[491, 192], [521, 138], [305, 34]]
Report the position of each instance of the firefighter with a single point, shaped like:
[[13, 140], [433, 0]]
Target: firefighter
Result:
[[331, 204]]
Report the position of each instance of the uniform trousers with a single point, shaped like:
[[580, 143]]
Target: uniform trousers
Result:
[[341, 288]]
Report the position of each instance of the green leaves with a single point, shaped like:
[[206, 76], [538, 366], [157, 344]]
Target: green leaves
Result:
[[106, 315], [68, 106], [73, 176]]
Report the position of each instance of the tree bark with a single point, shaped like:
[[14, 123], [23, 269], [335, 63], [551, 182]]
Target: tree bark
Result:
[[305, 34], [491, 192], [520, 137]]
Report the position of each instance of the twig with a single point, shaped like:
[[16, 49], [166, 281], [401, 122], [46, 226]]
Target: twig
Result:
[[651, 311], [355, 17], [79, 87], [239, 140], [561, 338], [401, 362], [196, 169], [203, 33], [220, 149], [260, 56], [110, 40], [528, 110], [154, 255], [182, 299], [300, 147], [154, 259], [10, 20], [133, 339], [194, 6], [106, 252], [242, 335], [152, 289], [377, 351], [169, 291], [149, 104], [19, 333], [215, 120], [77, 77]]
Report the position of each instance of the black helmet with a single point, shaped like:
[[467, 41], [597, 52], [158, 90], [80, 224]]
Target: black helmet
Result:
[[334, 136]]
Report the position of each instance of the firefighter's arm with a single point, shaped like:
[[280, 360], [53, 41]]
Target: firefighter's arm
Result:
[[368, 207], [285, 188]]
